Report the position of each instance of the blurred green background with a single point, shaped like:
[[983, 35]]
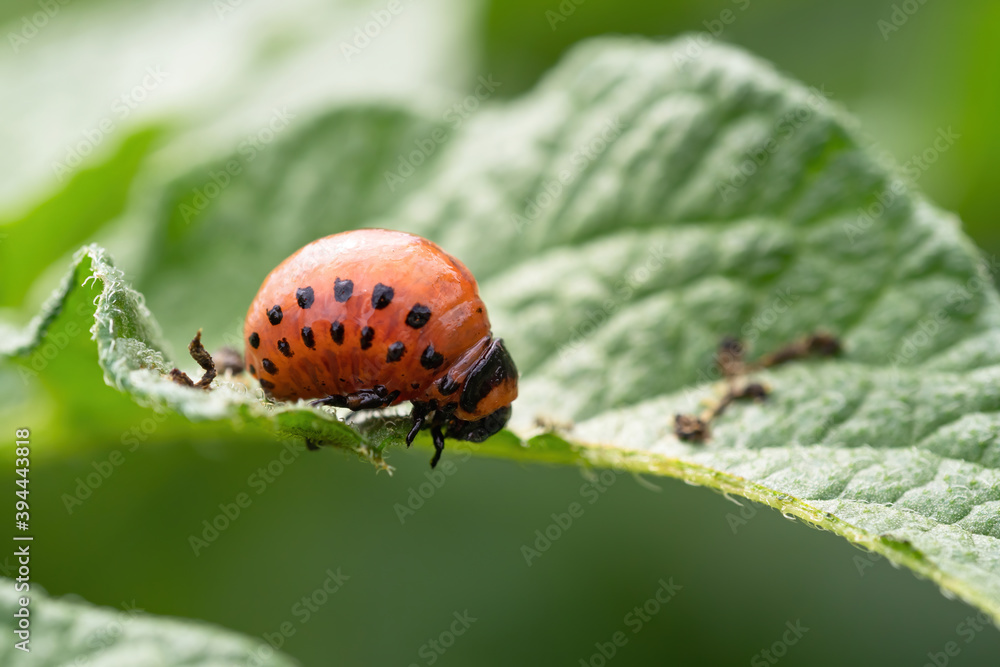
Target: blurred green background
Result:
[[743, 578]]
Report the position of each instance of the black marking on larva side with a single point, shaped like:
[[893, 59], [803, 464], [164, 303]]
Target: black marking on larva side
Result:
[[342, 289], [382, 296], [305, 296], [414, 385], [367, 335], [447, 385], [307, 337], [493, 369], [266, 385], [431, 359], [396, 352], [337, 333], [269, 366], [418, 316], [254, 340], [274, 315], [253, 371], [285, 348]]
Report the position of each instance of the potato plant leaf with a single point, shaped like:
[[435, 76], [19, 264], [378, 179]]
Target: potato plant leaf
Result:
[[642, 202], [71, 632]]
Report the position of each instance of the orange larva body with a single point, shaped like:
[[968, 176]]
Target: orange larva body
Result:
[[375, 310]]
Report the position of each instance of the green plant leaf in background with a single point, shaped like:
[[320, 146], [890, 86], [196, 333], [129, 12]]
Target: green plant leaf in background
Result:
[[644, 201], [126, 636], [244, 67]]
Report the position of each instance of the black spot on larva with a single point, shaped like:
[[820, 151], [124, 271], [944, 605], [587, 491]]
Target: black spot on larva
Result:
[[479, 310], [269, 366], [414, 385], [431, 359], [254, 340], [382, 296], [337, 333], [305, 296], [274, 315], [307, 337], [253, 371], [418, 316], [396, 351], [266, 385], [285, 348], [343, 289], [367, 335], [447, 385]]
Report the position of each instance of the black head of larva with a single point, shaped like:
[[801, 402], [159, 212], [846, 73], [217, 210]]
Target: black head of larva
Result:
[[382, 296], [481, 429], [305, 297], [274, 315]]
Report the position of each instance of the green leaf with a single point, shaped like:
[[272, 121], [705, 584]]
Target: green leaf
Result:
[[246, 70], [643, 202], [70, 632], [129, 350], [91, 198]]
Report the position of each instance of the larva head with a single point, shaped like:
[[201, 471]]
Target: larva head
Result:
[[489, 389]]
